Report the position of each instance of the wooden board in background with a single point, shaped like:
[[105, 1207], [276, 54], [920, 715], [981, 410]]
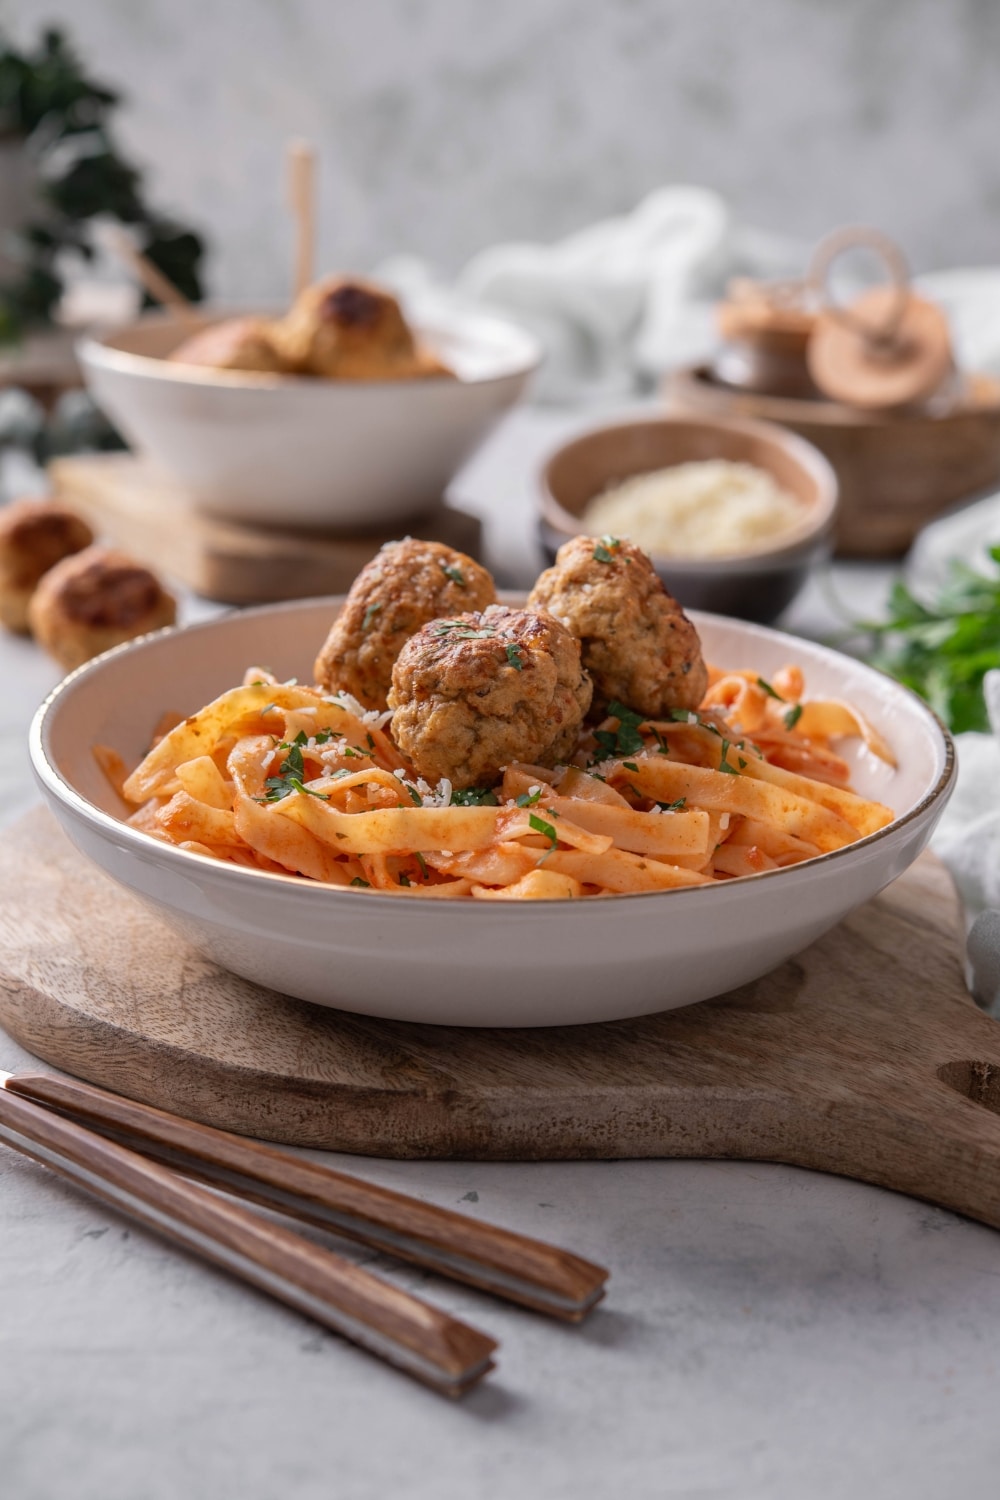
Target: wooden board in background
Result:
[[135, 507], [863, 1056]]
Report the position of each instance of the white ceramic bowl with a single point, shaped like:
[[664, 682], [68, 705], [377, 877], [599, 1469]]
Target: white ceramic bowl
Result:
[[272, 449], [471, 963]]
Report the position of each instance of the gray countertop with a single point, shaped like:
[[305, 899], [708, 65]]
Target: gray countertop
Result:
[[768, 1332]]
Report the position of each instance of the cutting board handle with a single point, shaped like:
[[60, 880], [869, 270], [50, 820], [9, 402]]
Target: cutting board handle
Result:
[[924, 1122]]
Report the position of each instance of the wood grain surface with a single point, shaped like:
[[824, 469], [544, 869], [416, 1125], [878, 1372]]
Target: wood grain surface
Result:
[[863, 1056], [130, 504]]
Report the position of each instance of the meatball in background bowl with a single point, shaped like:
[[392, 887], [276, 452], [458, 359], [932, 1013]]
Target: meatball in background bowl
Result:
[[755, 585], [472, 963], [272, 449]]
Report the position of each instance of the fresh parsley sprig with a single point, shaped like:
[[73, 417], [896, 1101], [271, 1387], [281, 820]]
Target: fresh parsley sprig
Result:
[[943, 651]]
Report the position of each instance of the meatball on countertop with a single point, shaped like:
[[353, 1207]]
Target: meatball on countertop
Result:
[[638, 645], [407, 584], [472, 693]]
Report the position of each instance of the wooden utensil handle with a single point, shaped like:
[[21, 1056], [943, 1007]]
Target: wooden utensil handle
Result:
[[417, 1338], [513, 1266]]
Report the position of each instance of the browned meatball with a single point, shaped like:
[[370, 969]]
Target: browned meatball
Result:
[[638, 645], [95, 600], [348, 329], [236, 344], [472, 693], [34, 536], [404, 586]]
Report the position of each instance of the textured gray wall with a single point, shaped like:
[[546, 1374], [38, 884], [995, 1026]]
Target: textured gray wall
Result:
[[447, 124]]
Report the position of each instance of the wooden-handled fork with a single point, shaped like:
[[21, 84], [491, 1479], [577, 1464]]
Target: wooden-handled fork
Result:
[[104, 1143]]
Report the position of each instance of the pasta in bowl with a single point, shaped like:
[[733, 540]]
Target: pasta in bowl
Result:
[[626, 918]]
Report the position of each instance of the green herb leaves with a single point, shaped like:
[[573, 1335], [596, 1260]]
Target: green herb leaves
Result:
[[769, 690], [792, 717], [455, 574], [474, 796], [724, 765], [539, 825], [944, 652], [368, 617], [514, 657], [528, 799], [290, 776], [461, 630], [626, 739], [605, 549]]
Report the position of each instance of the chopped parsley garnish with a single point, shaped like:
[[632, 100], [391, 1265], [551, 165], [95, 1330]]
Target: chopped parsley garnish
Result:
[[422, 863], [630, 765], [290, 777], [626, 739], [602, 552], [769, 690], [741, 762], [514, 657], [301, 738], [369, 615], [724, 765], [455, 574], [358, 881], [415, 796], [528, 799], [370, 742], [403, 878], [539, 825], [672, 806], [473, 796], [464, 632], [793, 716], [270, 709], [324, 736]]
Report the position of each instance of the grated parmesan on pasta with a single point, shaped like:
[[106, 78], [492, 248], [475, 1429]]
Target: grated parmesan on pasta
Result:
[[711, 509]]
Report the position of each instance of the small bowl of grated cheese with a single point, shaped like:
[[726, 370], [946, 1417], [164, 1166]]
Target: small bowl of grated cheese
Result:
[[734, 514]]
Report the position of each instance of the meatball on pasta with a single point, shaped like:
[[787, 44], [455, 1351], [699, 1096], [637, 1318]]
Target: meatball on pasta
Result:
[[404, 586], [473, 693], [638, 645]]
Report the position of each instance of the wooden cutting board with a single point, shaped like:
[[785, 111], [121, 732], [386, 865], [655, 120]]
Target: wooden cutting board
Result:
[[863, 1056], [132, 505]]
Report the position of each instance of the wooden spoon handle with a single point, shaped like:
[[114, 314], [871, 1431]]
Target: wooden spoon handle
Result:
[[417, 1338], [523, 1270]]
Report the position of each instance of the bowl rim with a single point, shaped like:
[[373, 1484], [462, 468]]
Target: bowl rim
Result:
[[807, 535], [96, 351], [54, 785], [688, 383]]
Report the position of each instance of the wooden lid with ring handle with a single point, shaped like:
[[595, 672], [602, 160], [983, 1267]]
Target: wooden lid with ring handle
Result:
[[889, 347]]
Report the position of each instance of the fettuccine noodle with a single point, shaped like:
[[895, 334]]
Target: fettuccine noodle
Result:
[[279, 777]]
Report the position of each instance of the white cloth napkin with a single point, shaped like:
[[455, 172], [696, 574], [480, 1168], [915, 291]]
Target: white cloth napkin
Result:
[[617, 303]]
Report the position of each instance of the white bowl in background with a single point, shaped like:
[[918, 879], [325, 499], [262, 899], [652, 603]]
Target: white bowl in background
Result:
[[471, 963], [290, 450]]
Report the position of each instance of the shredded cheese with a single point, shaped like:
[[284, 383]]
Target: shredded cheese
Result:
[[711, 509]]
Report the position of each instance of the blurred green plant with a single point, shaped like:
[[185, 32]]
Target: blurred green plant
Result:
[[62, 116], [944, 650]]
